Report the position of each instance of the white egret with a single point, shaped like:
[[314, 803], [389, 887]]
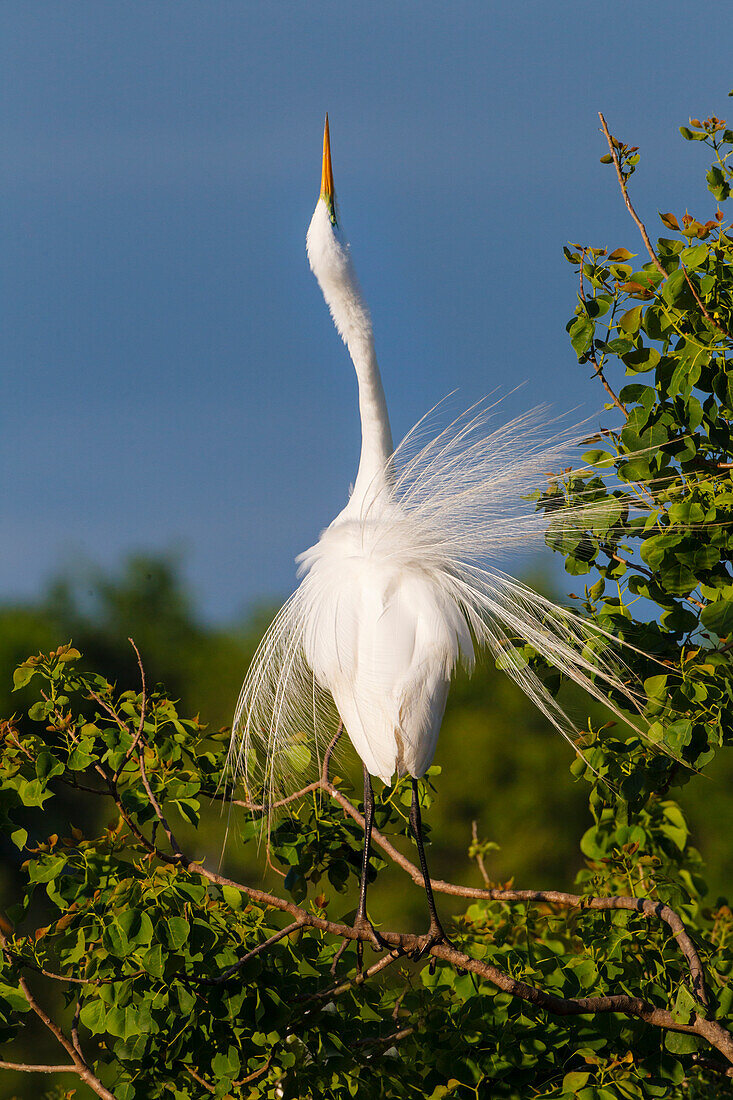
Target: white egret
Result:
[[404, 583]]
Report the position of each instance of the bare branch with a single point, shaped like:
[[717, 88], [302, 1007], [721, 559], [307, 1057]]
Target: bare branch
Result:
[[582, 902], [197, 1077], [22, 1067], [645, 235], [143, 703]]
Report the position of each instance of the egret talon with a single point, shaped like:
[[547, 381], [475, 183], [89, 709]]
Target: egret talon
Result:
[[377, 942], [434, 934]]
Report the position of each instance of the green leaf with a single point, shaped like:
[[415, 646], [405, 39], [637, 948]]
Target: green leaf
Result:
[[675, 826], [93, 1016], [153, 961], [137, 926], [571, 1082], [718, 185], [115, 940], [631, 320], [656, 688], [694, 256], [581, 334], [46, 869], [299, 756], [79, 759], [641, 359], [718, 617], [14, 997], [178, 930], [23, 675], [47, 767], [675, 289], [232, 897], [19, 838], [685, 1006], [679, 1043]]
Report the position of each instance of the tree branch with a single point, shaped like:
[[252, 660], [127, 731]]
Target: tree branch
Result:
[[645, 235], [646, 906], [22, 1067], [710, 1030]]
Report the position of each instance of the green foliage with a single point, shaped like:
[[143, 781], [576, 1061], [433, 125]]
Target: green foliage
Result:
[[180, 994], [152, 937]]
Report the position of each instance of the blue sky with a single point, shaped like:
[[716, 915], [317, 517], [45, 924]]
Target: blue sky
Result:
[[171, 378]]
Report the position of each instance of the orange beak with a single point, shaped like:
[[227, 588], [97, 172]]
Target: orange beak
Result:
[[328, 193]]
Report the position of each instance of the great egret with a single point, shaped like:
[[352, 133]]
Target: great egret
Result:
[[404, 583]]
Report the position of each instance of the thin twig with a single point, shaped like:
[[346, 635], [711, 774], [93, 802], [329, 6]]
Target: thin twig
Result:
[[154, 803], [703, 310], [143, 703], [393, 1038], [257, 1073], [197, 1077], [591, 354], [329, 753], [359, 978], [645, 235], [227, 974], [627, 200], [646, 572], [479, 858]]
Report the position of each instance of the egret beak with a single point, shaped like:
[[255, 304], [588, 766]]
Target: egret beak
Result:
[[327, 190]]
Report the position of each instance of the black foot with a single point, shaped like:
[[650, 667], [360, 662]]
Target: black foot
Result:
[[422, 944], [377, 942]]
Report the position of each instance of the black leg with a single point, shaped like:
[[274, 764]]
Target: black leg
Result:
[[436, 933], [361, 913], [362, 922]]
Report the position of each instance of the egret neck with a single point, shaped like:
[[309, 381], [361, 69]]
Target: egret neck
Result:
[[330, 260]]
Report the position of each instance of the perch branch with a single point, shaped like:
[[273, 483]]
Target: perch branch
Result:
[[622, 1003]]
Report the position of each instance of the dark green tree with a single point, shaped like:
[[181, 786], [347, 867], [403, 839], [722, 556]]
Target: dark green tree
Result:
[[155, 975]]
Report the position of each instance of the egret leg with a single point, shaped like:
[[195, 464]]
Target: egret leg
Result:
[[435, 933], [362, 922]]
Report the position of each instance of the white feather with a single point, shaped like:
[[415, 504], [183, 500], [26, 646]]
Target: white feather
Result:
[[409, 578]]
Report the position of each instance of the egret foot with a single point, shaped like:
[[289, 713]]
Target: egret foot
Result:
[[434, 934], [362, 924]]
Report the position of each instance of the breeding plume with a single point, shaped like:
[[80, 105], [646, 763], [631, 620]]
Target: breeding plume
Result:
[[405, 583]]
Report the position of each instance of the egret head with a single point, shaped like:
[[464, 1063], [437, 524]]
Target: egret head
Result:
[[329, 256]]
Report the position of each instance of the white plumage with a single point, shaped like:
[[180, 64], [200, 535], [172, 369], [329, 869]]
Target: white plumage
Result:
[[383, 638], [408, 577]]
